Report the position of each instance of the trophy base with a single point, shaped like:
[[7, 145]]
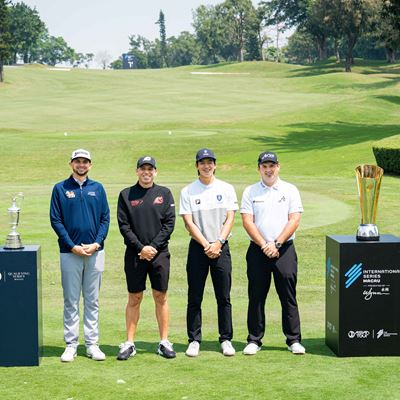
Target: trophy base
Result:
[[368, 233], [13, 242]]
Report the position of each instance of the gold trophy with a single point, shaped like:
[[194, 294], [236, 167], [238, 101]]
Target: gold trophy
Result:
[[13, 241], [369, 179]]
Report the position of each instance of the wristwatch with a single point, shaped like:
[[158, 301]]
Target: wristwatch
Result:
[[221, 240], [278, 245]]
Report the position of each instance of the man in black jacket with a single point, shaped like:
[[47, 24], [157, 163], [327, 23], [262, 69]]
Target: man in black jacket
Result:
[[146, 219]]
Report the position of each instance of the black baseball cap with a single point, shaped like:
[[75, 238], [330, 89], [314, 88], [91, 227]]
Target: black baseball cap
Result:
[[205, 153], [267, 156], [146, 160]]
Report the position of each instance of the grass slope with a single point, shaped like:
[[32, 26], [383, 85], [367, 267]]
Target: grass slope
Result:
[[321, 121]]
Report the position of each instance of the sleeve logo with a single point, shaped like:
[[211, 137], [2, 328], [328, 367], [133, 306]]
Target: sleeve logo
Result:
[[158, 200]]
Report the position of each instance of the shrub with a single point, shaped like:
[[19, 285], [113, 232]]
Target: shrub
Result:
[[387, 154]]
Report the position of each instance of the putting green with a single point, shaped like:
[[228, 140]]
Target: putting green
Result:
[[320, 210]]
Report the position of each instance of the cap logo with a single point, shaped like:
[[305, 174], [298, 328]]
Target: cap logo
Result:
[[80, 152], [147, 158], [268, 155]]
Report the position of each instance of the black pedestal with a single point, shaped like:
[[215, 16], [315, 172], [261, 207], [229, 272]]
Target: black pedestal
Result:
[[363, 296], [20, 307]]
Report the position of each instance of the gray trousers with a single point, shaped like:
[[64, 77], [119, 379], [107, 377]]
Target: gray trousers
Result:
[[81, 274]]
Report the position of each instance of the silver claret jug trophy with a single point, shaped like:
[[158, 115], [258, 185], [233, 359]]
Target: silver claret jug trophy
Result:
[[369, 179], [13, 241]]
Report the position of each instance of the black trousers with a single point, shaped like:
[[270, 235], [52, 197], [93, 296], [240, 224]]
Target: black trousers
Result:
[[197, 268], [260, 268]]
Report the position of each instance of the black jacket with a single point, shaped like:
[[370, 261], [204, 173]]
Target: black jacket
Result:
[[146, 216]]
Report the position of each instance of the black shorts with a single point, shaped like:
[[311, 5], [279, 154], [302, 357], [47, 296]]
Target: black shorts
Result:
[[136, 271]]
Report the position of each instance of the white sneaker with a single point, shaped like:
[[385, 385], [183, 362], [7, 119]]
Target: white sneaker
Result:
[[69, 353], [193, 349], [251, 349], [93, 351], [227, 348], [297, 348]]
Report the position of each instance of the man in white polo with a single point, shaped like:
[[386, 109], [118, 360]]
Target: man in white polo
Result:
[[271, 211]]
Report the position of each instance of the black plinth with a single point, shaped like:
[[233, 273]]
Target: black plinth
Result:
[[363, 296], [21, 307]]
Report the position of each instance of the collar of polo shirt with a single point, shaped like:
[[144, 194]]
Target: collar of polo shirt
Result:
[[274, 186]]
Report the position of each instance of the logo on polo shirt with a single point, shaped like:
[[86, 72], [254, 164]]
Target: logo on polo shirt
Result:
[[281, 199], [135, 203], [70, 194], [92, 194], [197, 201], [158, 200], [219, 197]]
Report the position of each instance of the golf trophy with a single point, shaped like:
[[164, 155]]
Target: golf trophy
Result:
[[369, 179], [13, 241]]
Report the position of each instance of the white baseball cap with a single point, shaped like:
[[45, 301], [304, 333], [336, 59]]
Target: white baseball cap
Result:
[[81, 153]]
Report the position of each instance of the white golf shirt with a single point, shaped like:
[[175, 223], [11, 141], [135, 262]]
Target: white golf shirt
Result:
[[271, 206]]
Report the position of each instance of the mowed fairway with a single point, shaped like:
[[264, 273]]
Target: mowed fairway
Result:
[[321, 121]]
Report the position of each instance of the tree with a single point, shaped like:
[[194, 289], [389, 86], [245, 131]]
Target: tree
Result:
[[27, 29], [301, 48], [82, 59], [357, 17], [139, 46], [163, 39], [5, 36], [54, 50], [103, 58], [183, 50], [238, 16], [209, 30], [389, 28], [291, 12], [117, 64], [253, 37]]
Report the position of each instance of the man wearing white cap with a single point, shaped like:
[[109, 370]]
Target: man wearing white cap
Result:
[[80, 216]]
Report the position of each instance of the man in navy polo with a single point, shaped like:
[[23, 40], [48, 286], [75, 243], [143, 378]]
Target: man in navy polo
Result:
[[80, 216], [271, 211]]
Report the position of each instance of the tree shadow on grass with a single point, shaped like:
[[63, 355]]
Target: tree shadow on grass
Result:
[[391, 99], [325, 136], [331, 67]]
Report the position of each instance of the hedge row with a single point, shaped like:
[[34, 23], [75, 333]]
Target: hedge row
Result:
[[387, 154]]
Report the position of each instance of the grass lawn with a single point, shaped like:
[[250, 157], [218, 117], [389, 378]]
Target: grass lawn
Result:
[[321, 121]]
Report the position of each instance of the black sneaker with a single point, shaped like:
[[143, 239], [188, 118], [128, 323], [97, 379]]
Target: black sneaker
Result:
[[166, 350], [126, 350]]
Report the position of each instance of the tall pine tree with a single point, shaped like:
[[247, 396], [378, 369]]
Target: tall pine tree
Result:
[[163, 39]]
